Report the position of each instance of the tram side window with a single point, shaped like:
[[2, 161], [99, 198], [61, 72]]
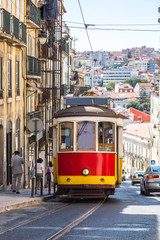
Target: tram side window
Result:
[[86, 136], [106, 136], [66, 136]]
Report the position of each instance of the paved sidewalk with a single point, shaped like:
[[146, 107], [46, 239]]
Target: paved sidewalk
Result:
[[10, 200]]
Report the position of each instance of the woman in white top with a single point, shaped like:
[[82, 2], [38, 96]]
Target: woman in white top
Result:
[[50, 170], [40, 171]]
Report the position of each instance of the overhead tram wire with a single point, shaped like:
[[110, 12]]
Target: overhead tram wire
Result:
[[119, 24], [117, 29], [86, 26]]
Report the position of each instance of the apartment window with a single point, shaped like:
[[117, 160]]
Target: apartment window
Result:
[[17, 8], [9, 76], [1, 82], [17, 79], [10, 6], [0, 3]]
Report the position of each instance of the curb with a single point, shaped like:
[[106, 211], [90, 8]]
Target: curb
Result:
[[24, 204]]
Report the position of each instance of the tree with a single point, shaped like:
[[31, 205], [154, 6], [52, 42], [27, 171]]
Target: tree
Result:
[[139, 106], [110, 86], [134, 81]]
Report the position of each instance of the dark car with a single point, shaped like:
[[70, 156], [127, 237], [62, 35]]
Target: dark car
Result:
[[137, 176], [151, 180]]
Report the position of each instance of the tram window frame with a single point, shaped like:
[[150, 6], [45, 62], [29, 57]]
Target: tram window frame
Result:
[[104, 146], [71, 135], [86, 149]]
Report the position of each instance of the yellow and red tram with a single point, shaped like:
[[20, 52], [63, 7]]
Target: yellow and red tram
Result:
[[88, 151]]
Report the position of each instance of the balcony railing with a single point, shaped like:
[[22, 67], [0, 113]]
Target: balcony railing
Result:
[[5, 21], [9, 93], [18, 92], [1, 94], [33, 13], [22, 32], [35, 114], [33, 66], [15, 26], [65, 47], [64, 89]]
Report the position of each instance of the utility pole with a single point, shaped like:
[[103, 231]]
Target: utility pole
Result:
[[74, 41]]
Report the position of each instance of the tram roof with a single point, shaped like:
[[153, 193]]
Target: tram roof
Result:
[[87, 110]]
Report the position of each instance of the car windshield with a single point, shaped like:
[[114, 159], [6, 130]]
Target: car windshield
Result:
[[156, 169]]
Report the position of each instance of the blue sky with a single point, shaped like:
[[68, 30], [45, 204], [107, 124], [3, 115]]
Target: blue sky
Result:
[[114, 12]]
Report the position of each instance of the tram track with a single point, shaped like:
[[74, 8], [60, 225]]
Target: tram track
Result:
[[33, 219], [76, 222]]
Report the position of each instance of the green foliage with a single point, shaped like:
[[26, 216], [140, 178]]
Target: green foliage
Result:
[[141, 106], [110, 86], [134, 81]]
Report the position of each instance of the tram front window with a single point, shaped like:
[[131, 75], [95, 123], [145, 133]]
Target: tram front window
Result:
[[66, 136], [106, 136], [86, 136]]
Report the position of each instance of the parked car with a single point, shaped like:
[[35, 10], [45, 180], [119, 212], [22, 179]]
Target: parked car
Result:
[[137, 176], [151, 180]]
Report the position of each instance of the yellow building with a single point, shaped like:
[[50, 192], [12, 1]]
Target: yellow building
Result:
[[12, 72]]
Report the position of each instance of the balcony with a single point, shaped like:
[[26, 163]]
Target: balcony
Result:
[[43, 51], [35, 114], [64, 89], [65, 47], [9, 93], [1, 94], [22, 32], [33, 14], [33, 67], [5, 21], [15, 27]]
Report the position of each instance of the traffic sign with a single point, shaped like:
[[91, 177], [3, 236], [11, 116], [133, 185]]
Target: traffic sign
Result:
[[35, 125], [153, 162]]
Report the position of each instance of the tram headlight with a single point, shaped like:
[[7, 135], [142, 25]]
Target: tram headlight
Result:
[[102, 180], [85, 171]]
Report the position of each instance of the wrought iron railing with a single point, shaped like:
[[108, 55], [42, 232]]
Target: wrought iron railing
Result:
[[1, 94], [35, 114], [33, 13], [33, 66], [15, 26], [9, 93], [18, 92], [22, 32], [5, 21]]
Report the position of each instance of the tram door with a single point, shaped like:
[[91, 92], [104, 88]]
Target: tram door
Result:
[[9, 153]]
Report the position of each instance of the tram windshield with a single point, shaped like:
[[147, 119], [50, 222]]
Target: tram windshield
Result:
[[106, 136], [86, 136], [66, 136]]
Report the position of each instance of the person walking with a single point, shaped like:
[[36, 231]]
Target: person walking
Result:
[[40, 170], [16, 164], [50, 173]]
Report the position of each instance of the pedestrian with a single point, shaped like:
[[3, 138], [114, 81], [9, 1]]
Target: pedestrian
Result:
[[49, 173], [16, 164], [40, 170]]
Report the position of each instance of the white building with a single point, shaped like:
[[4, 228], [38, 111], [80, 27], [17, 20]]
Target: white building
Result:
[[137, 147], [118, 75], [155, 124], [143, 87]]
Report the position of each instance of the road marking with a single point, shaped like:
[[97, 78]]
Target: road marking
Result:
[[124, 228], [111, 229]]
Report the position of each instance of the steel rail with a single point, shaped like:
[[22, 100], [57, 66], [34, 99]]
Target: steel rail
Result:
[[76, 222], [33, 219]]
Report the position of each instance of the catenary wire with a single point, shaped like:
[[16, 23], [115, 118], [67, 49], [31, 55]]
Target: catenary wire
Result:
[[86, 26]]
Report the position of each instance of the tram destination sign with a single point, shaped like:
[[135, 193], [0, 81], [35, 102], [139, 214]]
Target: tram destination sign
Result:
[[87, 100]]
